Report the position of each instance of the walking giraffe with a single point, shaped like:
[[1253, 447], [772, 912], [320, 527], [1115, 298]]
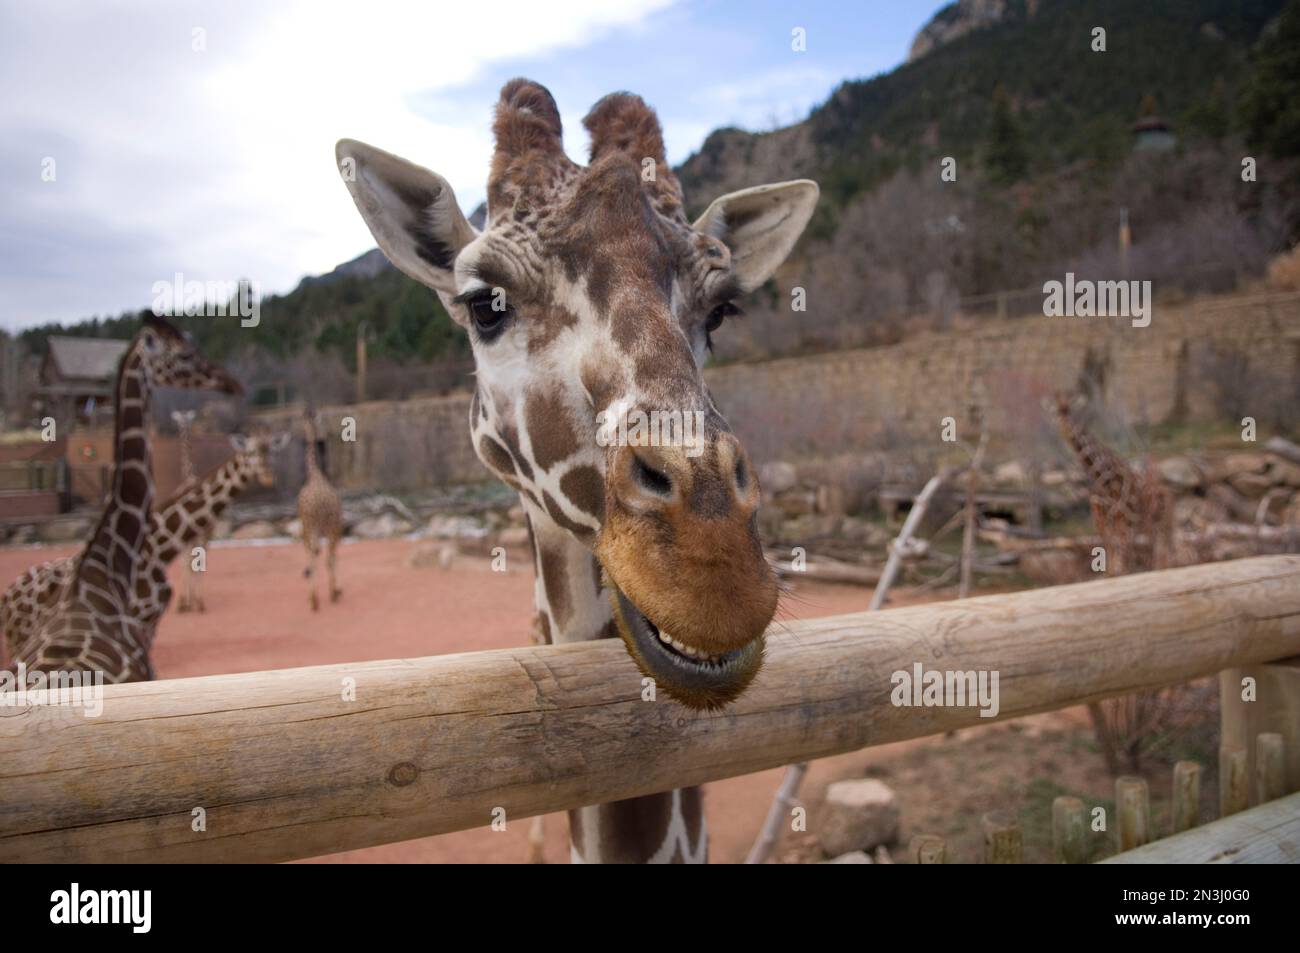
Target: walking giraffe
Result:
[[174, 528], [587, 296], [191, 597], [320, 514], [94, 626]]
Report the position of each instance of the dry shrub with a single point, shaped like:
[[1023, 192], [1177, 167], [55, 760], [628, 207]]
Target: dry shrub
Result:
[[1284, 271]]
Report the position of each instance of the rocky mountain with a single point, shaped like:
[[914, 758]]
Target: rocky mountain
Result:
[[956, 20]]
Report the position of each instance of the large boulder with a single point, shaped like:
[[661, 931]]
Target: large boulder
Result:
[[777, 477], [1180, 473], [384, 526], [859, 814], [257, 529], [67, 530]]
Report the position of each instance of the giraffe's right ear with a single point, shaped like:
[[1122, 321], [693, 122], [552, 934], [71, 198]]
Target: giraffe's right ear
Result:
[[411, 211]]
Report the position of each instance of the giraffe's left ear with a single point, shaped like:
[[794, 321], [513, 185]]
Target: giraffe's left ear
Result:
[[241, 443], [411, 211], [281, 440], [760, 225]]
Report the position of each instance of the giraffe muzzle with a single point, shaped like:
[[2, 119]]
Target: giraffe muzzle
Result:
[[688, 675]]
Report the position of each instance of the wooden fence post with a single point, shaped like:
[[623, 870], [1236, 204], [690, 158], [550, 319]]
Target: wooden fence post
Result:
[[1187, 796], [1133, 807], [1275, 709], [1069, 831], [1270, 767], [928, 849], [1234, 784], [1003, 842]]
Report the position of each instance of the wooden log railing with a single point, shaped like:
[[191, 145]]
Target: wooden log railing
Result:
[[282, 765]]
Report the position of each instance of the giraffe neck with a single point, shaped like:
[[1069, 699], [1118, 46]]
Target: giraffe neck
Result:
[[187, 453], [313, 461], [188, 517], [109, 559], [1108, 474], [573, 606]]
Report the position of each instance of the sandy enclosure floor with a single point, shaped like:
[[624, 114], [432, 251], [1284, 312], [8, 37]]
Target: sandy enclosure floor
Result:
[[258, 618]]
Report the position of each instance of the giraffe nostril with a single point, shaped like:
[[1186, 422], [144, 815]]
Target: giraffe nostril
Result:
[[649, 479], [742, 474]]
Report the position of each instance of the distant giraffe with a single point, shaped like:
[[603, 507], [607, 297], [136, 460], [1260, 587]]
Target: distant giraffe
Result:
[[175, 527], [1132, 510], [94, 626], [321, 516], [191, 597]]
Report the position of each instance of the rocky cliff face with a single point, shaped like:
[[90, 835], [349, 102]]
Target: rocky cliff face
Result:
[[956, 20]]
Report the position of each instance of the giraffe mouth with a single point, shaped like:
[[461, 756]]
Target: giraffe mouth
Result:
[[689, 676]]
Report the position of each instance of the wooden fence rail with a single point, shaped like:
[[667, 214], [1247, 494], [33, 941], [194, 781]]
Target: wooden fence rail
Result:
[[280, 765]]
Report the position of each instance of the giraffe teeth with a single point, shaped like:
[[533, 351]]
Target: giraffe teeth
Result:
[[665, 637]]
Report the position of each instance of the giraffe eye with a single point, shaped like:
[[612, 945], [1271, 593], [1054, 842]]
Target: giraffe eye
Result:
[[719, 314], [490, 314]]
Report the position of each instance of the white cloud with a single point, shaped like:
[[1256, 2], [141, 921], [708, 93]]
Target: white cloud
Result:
[[220, 163]]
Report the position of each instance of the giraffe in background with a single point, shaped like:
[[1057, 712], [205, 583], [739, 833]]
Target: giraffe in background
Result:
[[1132, 512], [174, 527], [321, 515], [588, 295], [191, 597], [94, 626]]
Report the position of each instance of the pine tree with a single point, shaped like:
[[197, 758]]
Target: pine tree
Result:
[[1006, 154], [1271, 101]]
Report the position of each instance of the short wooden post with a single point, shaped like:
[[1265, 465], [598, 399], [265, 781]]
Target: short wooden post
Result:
[[928, 849], [1187, 796], [1270, 767], [1133, 805], [1069, 831], [1274, 707], [1003, 842], [1234, 786]]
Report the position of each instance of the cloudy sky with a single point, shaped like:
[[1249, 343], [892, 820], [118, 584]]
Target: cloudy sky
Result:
[[141, 139]]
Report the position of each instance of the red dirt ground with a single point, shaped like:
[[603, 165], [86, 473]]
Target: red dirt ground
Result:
[[258, 618]]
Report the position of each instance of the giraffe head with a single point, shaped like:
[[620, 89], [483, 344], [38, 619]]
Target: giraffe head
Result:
[[259, 450], [590, 300], [170, 359]]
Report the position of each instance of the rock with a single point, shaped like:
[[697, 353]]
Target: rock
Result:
[[21, 535], [859, 814], [796, 502], [1284, 473], [428, 555], [830, 499], [383, 526], [442, 526], [257, 529], [1250, 485], [221, 529], [71, 530], [777, 477], [513, 537], [1012, 474], [1235, 463], [1055, 478], [293, 528], [1181, 473], [852, 857]]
